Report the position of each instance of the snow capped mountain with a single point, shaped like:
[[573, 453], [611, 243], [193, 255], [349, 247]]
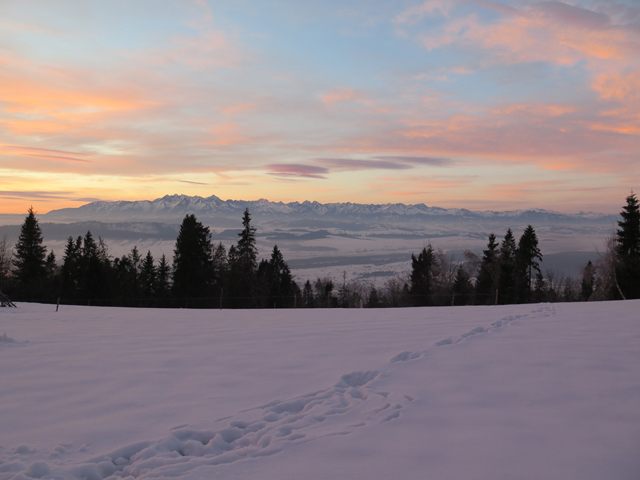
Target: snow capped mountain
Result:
[[176, 206]]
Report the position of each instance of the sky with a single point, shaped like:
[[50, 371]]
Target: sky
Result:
[[478, 104]]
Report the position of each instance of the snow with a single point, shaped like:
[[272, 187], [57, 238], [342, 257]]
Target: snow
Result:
[[527, 391]]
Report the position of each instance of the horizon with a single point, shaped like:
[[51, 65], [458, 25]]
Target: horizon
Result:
[[509, 105]]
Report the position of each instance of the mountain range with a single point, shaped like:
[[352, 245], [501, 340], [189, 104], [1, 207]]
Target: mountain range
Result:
[[173, 207]]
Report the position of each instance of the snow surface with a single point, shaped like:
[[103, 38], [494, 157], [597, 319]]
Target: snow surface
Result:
[[514, 392]]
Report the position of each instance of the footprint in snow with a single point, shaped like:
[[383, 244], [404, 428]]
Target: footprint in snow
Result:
[[261, 431]]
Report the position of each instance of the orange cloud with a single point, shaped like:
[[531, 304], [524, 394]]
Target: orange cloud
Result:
[[22, 95]]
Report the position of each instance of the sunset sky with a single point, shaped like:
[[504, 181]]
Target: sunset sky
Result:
[[454, 103]]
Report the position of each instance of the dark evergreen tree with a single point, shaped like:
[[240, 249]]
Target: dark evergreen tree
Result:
[[126, 281], [279, 280], [30, 259], [148, 275], [462, 290], [163, 285], [243, 267], [94, 271], [627, 269], [506, 262], [421, 278], [488, 274], [220, 269], [193, 260], [526, 263], [247, 250], [70, 274]]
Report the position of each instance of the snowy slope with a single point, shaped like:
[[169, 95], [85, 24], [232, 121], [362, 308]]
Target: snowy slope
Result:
[[527, 392]]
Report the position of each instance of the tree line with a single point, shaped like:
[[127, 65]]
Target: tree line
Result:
[[207, 275]]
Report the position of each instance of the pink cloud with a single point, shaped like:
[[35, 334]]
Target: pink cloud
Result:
[[297, 170]]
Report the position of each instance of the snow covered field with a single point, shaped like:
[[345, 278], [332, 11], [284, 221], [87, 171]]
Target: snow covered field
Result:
[[514, 392]]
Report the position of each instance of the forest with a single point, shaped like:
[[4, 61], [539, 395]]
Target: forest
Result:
[[203, 274]]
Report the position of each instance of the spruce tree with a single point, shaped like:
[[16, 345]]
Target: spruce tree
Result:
[[247, 250], [488, 273], [279, 280], [506, 262], [71, 268], [462, 287], [526, 264], [192, 260], [627, 270], [163, 278], [94, 281], [30, 258], [243, 267], [421, 278], [148, 274]]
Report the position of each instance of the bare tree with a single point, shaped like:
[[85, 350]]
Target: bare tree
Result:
[[606, 282], [6, 257], [394, 291]]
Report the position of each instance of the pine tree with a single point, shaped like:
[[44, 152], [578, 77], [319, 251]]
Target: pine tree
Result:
[[506, 262], [462, 287], [280, 280], [488, 274], [627, 269], [94, 269], [148, 274], [243, 267], [421, 278], [71, 268], [163, 278], [193, 260], [30, 257], [526, 264], [628, 235], [247, 250]]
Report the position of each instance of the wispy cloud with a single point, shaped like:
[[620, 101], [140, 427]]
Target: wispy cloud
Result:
[[35, 194], [297, 170], [349, 164], [434, 161], [192, 183]]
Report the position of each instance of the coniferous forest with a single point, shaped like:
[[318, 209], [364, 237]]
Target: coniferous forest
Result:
[[203, 274]]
